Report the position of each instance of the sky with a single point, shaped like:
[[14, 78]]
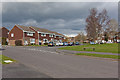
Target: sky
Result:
[[67, 18]]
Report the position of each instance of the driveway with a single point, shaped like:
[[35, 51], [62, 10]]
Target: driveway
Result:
[[46, 61]]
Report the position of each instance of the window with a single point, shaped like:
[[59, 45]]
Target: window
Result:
[[32, 40], [12, 34], [50, 35], [43, 34], [60, 36], [45, 40], [29, 34]]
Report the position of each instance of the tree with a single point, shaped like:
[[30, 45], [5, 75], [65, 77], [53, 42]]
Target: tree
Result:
[[103, 23], [97, 24], [106, 36], [113, 28], [80, 37]]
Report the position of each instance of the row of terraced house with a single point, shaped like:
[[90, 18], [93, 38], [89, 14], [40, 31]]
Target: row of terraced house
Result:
[[33, 35]]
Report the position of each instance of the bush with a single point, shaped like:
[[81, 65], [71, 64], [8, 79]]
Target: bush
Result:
[[18, 42], [45, 43], [32, 44]]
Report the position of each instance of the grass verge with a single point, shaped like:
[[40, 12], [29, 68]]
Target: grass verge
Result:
[[100, 55], [3, 58], [108, 48]]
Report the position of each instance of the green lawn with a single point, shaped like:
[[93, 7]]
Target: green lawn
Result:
[[100, 55], [3, 58], [108, 48]]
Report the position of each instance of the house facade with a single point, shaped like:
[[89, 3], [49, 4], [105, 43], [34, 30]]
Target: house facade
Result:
[[45, 36], [4, 33], [33, 35]]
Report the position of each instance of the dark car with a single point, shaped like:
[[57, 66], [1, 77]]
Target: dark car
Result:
[[77, 43], [51, 44]]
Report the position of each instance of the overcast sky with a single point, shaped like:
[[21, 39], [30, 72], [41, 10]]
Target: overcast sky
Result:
[[67, 18]]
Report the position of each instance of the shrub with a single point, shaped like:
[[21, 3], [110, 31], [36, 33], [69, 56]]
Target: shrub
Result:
[[18, 42], [32, 44], [45, 43]]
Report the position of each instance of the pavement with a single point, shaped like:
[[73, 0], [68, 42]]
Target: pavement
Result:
[[47, 62]]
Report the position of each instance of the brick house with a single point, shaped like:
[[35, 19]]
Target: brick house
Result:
[[4, 33], [23, 33], [33, 35], [44, 35]]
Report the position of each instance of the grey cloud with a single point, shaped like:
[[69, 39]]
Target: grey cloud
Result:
[[61, 17]]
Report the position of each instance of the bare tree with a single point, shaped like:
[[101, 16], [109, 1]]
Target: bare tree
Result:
[[97, 23], [103, 23], [80, 37], [91, 27], [113, 28]]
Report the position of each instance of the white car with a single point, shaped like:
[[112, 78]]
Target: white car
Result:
[[61, 44], [57, 44]]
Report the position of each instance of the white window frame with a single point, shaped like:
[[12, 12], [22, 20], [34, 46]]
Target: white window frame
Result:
[[32, 40], [29, 34], [60, 36], [55, 36], [45, 41], [50, 35], [12, 34], [42, 34]]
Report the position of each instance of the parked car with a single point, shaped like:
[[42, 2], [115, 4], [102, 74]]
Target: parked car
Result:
[[57, 44], [92, 43], [109, 42], [65, 44], [60, 44], [77, 43], [51, 44], [70, 44]]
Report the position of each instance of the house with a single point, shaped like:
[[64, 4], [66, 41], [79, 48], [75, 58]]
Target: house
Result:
[[4, 33], [33, 35], [23, 33], [45, 36]]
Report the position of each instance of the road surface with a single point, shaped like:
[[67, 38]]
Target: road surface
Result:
[[47, 62]]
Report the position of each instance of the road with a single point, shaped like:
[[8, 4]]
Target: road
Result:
[[47, 62]]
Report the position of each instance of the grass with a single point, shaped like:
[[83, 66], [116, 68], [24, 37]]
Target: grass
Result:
[[108, 48], [3, 58], [100, 55]]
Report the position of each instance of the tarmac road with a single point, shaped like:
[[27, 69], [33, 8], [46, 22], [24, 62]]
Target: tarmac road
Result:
[[47, 62]]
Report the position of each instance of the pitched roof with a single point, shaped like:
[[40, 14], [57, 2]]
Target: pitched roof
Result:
[[45, 30], [25, 28]]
